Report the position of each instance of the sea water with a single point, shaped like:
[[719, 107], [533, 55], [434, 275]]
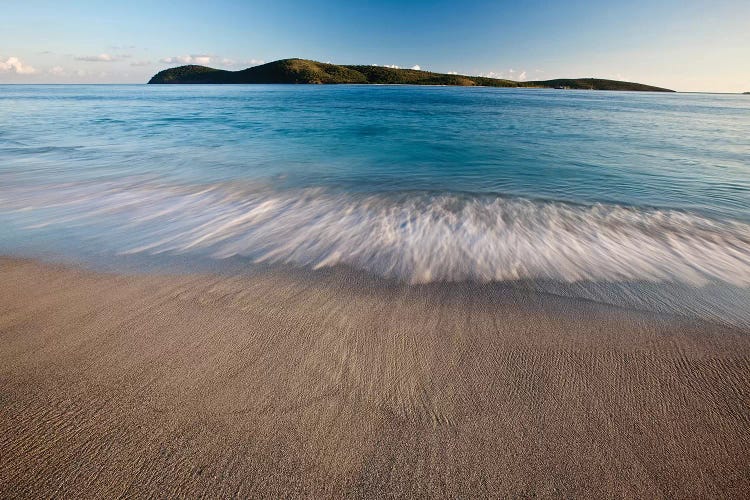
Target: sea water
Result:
[[640, 199]]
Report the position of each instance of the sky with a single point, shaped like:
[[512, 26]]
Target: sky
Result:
[[686, 45]]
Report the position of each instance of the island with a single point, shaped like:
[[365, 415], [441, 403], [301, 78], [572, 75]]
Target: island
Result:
[[304, 71]]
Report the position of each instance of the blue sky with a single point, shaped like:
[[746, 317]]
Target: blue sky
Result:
[[686, 45]]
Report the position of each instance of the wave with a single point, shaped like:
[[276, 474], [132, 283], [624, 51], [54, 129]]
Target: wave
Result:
[[418, 237]]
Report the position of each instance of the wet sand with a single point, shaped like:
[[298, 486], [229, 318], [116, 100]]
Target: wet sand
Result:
[[333, 384]]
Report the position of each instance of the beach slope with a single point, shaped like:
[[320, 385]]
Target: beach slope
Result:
[[331, 384]]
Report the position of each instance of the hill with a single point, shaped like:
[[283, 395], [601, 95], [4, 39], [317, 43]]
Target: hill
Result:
[[305, 71]]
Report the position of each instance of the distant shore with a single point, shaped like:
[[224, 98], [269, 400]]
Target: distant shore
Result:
[[281, 385], [303, 71]]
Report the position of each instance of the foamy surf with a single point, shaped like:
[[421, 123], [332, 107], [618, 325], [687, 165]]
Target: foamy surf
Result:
[[418, 237], [655, 259]]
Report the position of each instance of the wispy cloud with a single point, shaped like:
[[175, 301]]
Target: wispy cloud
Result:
[[206, 59], [190, 59], [510, 74], [56, 71], [15, 65], [103, 58], [140, 63]]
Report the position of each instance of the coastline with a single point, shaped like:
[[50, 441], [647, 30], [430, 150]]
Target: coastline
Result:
[[286, 384]]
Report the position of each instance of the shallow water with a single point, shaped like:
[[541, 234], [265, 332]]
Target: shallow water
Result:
[[635, 198]]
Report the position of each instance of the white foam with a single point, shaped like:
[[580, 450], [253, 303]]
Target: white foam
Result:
[[417, 237]]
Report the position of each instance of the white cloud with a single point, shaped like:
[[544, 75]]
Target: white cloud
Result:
[[238, 64], [15, 65], [191, 59], [392, 66], [103, 58], [201, 59], [416, 66], [208, 59], [56, 71], [141, 63], [453, 72], [511, 74]]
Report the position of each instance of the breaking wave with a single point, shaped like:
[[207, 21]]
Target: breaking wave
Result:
[[418, 237]]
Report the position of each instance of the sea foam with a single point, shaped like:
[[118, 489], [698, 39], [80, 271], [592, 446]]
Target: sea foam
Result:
[[417, 237]]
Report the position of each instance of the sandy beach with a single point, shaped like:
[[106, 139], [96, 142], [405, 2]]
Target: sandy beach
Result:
[[332, 384]]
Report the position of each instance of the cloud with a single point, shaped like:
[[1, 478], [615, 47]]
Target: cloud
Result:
[[141, 63], [511, 74], [56, 71], [453, 72], [206, 59], [191, 59], [416, 67], [103, 58], [243, 63], [15, 65]]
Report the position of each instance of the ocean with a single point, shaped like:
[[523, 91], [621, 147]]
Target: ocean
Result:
[[633, 199]]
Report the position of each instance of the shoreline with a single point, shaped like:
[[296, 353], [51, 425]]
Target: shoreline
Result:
[[286, 384]]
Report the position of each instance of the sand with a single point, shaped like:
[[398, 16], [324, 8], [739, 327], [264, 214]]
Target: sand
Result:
[[332, 384]]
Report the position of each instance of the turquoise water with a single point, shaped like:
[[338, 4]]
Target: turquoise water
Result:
[[571, 189]]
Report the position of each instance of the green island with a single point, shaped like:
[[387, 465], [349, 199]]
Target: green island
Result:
[[313, 72]]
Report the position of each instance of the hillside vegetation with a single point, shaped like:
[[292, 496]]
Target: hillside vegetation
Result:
[[305, 71]]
